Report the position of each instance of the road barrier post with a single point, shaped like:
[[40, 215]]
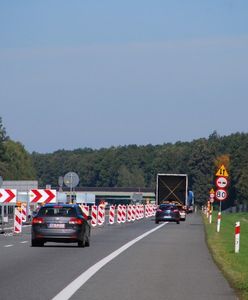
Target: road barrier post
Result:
[[218, 221], [237, 237]]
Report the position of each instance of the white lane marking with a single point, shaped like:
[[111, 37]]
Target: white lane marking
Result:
[[7, 246], [76, 284], [24, 242]]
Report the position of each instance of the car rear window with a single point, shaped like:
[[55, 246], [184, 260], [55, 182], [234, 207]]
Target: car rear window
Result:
[[166, 207], [57, 212]]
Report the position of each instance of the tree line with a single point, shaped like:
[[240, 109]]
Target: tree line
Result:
[[136, 166]]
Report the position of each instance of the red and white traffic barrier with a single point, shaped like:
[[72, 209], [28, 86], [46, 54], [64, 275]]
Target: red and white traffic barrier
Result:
[[119, 214], [24, 212], [94, 215], [137, 212], [124, 214], [147, 211], [154, 210], [218, 221], [210, 215], [85, 210], [18, 221], [101, 215], [237, 237], [129, 213], [133, 213], [112, 214]]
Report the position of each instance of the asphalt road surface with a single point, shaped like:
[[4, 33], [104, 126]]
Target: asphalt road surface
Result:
[[167, 261]]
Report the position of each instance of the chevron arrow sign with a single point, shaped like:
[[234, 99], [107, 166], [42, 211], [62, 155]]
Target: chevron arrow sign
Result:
[[7, 196], [42, 196]]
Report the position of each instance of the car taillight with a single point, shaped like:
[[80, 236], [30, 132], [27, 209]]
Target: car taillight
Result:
[[75, 221], [37, 220], [159, 210], [176, 210]]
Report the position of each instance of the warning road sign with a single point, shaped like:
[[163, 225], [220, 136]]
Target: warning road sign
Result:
[[222, 172]]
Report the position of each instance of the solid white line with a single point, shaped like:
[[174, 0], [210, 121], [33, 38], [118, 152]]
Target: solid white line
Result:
[[6, 246], [76, 284]]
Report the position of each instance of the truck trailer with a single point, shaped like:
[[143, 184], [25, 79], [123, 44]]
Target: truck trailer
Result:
[[172, 188]]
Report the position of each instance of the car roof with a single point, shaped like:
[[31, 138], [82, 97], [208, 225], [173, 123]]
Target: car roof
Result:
[[59, 205]]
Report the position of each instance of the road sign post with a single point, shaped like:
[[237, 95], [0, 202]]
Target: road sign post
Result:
[[221, 184]]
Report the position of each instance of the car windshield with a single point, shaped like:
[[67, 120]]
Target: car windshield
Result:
[[57, 212]]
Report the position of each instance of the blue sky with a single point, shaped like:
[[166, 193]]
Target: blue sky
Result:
[[107, 73]]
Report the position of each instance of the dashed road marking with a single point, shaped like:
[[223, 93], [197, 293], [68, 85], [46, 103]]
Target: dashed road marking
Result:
[[7, 246], [24, 242]]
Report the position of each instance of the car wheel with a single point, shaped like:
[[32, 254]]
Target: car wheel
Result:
[[35, 243], [87, 242], [81, 244], [178, 222], [157, 222]]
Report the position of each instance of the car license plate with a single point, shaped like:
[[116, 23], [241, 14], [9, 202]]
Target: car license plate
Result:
[[167, 217], [51, 225]]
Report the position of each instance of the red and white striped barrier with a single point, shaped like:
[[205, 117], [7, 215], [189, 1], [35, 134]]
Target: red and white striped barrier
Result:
[[101, 215], [18, 221], [210, 215], [133, 213], [94, 215], [154, 210], [147, 211], [119, 214], [112, 214], [129, 213], [24, 212], [237, 237], [85, 210], [124, 214], [218, 221]]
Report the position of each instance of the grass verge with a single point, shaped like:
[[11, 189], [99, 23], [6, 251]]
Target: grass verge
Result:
[[233, 265]]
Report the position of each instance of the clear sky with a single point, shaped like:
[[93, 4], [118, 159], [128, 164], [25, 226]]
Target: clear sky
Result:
[[101, 73]]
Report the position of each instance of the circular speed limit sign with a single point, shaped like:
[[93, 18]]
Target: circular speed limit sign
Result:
[[221, 194], [221, 182]]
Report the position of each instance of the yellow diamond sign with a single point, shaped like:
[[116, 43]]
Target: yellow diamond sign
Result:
[[222, 172]]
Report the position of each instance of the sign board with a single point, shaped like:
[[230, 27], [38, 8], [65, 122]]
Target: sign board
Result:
[[221, 194], [221, 182], [7, 196], [42, 196], [71, 179], [222, 172]]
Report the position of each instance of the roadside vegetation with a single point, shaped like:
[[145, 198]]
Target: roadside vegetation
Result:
[[136, 166], [233, 265]]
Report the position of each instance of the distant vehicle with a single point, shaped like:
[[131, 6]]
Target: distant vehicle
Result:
[[63, 223], [172, 188], [182, 212], [167, 212]]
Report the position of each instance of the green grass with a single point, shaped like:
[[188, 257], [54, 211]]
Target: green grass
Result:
[[233, 265]]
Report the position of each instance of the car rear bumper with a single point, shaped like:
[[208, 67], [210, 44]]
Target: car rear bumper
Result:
[[55, 235]]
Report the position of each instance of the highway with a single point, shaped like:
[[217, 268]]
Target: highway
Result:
[[169, 262]]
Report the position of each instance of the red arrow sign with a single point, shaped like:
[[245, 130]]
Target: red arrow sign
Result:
[[42, 196], [7, 196], [38, 196], [51, 196]]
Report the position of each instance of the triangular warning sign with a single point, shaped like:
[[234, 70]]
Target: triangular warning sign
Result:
[[222, 172], [211, 191]]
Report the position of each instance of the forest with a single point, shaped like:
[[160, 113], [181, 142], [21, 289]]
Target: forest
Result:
[[136, 166]]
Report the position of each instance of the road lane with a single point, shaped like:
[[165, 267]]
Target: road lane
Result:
[[171, 263], [41, 272]]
